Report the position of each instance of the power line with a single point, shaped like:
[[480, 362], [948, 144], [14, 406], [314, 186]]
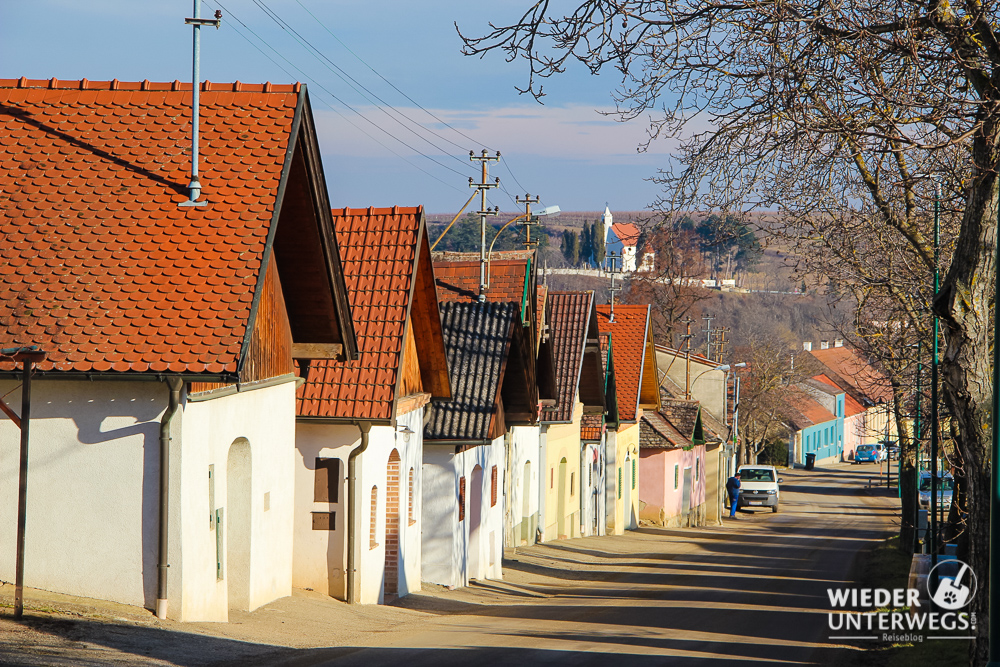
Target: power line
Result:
[[393, 86], [332, 107], [353, 83]]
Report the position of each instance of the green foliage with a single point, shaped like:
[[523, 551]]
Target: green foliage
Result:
[[586, 243], [570, 247], [599, 250], [723, 235], [464, 235], [775, 453]]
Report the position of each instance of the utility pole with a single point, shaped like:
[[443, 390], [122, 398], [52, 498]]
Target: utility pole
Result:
[[708, 334], [484, 211], [529, 222], [687, 357], [720, 347]]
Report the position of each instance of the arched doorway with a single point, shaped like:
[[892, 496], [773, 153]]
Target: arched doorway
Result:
[[475, 524], [561, 502], [391, 588], [238, 514], [526, 504]]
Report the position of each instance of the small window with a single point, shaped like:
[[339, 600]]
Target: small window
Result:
[[327, 483], [697, 469], [552, 478], [677, 472], [493, 490], [633, 474], [619, 483], [461, 499], [572, 483]]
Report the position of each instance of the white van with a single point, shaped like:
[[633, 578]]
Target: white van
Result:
[[759, 487]]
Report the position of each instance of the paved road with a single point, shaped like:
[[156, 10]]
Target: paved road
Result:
[[753, 590]]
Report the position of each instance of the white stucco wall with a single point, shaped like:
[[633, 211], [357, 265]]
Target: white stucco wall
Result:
[[592, 498], [265, 420], [450, 554], [320, 556], [93, 483], [523, 457]]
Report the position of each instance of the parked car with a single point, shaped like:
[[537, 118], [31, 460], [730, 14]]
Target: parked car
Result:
[[759, 487], [892, 449], [945, 488], [870, 453]]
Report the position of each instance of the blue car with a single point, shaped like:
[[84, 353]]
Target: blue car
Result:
[[870, 454]]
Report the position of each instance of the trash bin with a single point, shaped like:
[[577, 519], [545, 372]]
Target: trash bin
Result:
[[810, 461]]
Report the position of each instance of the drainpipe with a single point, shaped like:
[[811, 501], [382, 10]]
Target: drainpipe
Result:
[[175, 385], [352, 509]]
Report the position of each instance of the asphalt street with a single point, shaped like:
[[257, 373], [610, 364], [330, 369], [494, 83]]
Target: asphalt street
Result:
[[752, 590]]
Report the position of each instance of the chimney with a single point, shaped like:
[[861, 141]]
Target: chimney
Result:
[[807, 346], [839, 342], [824, 345]]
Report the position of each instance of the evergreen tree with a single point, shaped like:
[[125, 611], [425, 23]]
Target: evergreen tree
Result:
[[586, 244], [571, 247], [597, 234]]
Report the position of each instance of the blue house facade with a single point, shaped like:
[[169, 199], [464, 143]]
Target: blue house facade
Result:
[[814, 428]]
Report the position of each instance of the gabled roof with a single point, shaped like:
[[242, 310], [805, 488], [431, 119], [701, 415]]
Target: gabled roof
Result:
[[512, 280], [102, 269], [851, 406], [385, 256], [848, 367], [683, 415], [804, 411], [479, 339], [591, 428], [657, 432], [458, 275], [569, 319], [627, 233], [635, 363], [828, 387]]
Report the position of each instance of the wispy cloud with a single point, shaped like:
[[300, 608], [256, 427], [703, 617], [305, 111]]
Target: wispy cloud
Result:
[[568, 132]]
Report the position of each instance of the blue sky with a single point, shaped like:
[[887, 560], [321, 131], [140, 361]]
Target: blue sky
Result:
[[565, 150]]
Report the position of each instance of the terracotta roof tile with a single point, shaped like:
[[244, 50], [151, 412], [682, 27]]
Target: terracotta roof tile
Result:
[[851, 406], [656, 431], [861, 376], [90, 177], [804, 411], [591, 427], [569, 314], [628, 347], [626, 232], [458, 280], [378, 247]]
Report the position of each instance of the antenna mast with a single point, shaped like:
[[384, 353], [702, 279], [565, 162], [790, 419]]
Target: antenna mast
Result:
[[194, 187]]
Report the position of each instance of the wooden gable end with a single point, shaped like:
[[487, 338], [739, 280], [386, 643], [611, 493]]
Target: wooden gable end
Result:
[[649, 385], [424, 325], [269, 354], [410, 381], [519, 392], [592, 379]]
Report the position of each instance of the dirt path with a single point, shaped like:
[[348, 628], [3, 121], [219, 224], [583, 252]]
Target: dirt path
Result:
[[752, 590]]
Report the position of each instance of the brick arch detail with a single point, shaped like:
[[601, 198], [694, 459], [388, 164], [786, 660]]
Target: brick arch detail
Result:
[[392, 480]]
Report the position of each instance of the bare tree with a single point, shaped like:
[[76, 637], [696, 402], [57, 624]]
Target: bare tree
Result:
[[673, 287], [818, 109], [763, 393]]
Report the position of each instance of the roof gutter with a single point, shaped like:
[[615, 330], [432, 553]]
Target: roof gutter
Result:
[[352, 511], [162, 564]]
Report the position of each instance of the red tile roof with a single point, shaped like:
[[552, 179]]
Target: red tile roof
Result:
[[851, 406], [378, 250], [628, 347], [99, 266], [591, 427], [458, 280], [849, 366], [569, 314], [804, 411], [626, 232]]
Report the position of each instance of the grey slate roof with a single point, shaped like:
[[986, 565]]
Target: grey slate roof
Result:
[[569, 315], [477, 340]]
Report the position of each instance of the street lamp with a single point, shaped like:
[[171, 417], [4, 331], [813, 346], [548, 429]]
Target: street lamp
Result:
[[548, 210]]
